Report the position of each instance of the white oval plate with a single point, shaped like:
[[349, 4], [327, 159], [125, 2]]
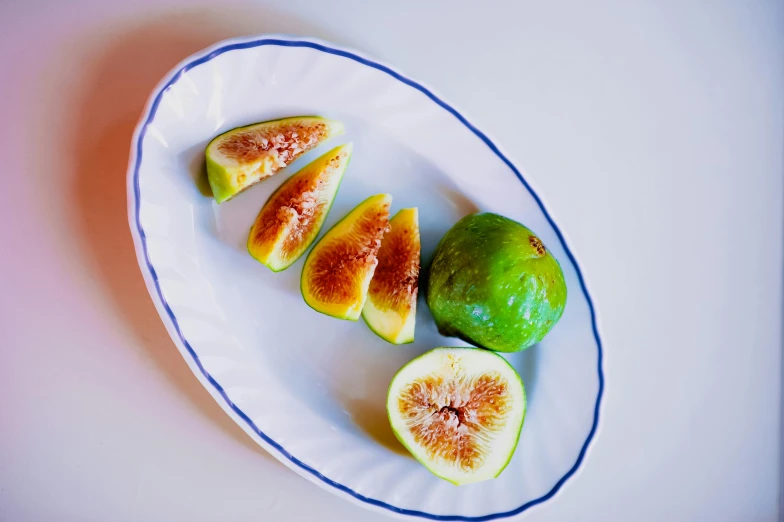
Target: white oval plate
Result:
[[308, 388]]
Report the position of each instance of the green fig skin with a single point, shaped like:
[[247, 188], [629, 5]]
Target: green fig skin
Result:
[[494, 284]]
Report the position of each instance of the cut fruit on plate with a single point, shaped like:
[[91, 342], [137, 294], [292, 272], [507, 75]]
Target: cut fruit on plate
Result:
[[244, 156], [459, 411], [292, 217], [338, 270], [390, 309]]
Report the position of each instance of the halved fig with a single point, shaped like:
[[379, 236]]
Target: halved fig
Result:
[[390, 309], [459, 411], [338, 270], [244, 156], [292, 217]]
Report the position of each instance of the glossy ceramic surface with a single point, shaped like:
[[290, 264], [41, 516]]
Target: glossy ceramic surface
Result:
[[308, 388]]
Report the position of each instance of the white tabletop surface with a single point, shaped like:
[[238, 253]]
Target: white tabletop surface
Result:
[[654, 131]]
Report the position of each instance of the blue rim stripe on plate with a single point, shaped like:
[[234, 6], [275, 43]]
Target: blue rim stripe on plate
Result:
[[219, 388]]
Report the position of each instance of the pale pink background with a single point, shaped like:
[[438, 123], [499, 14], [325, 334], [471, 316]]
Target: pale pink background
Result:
[[654, 132]]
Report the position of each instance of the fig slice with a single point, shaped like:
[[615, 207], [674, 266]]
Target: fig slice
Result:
[[244, 156], [390, 309], [459, 411], [337, 272], [293, 215]]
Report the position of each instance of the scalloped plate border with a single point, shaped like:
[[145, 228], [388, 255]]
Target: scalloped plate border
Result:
[[215, 389]]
